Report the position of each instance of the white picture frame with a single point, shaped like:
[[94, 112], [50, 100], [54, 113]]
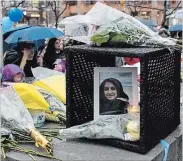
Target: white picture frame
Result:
[[128, 78]]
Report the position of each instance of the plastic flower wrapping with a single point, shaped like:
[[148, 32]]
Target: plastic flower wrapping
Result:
[[117, 28], [124, 127], [56, 106], [126, 29], [14, 115], [42, 73]]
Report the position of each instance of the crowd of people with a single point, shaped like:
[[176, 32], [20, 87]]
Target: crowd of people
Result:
[[19, 61], [50, 55]]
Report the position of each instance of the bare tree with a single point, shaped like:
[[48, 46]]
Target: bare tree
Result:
[[13, 3], [58, 8], [135, 7], [166, 9]]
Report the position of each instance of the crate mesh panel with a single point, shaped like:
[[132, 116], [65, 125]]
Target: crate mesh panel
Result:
[[82, 84], [159, 90], [162, 79]]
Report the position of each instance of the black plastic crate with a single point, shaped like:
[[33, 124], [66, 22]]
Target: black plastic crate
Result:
[[159, 90]]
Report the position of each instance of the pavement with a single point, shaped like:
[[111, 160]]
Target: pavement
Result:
[[77, 149]]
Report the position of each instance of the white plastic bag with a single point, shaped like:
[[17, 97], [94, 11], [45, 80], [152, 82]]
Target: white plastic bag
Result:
[[41, 73]]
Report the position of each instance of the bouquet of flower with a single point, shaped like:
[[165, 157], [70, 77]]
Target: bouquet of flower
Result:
[[14, 115], [57, 108], [12, 140], [120, 29], [125, 127]]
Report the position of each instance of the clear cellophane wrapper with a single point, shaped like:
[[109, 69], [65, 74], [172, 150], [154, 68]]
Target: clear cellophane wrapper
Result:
[[109, 126], [14, 115]]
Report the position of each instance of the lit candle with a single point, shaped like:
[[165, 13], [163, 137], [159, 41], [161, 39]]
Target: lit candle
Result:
[[133, 109]]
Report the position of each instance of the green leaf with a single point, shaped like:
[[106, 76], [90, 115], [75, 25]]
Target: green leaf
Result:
[[120, 38], [3, 139], [113, 34], [100, 38]]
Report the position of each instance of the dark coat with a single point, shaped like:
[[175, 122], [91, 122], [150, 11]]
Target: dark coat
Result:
[[50, 55]]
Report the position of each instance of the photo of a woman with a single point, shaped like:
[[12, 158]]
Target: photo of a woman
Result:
[[113, 99], [115, 90]]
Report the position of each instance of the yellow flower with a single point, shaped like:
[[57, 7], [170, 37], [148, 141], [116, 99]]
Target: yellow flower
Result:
[[133, 127]]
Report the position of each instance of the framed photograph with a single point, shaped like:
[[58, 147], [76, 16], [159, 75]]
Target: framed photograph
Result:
[[114, 89]]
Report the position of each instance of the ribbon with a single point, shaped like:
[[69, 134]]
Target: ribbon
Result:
[[166, 147]]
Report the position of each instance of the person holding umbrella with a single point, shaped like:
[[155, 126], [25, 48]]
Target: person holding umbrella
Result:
[[22, 56]]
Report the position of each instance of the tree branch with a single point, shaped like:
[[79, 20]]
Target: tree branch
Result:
[[5, 8], [19, 3], [174, 9], [63, 9], [57, 12], [146, 7], [50, 4], [2, 3], [55, 5], [135, 9], [130, 9]]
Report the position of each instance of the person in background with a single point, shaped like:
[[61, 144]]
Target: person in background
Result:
[[163, 32], [21, 56], [180, 35], [53, 52], [40, 55], [173, 34], [113, 99], [12, 73]]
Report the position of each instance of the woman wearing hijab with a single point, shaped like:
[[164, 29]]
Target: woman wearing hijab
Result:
[[113, 100], [53, 52], [12, 73]]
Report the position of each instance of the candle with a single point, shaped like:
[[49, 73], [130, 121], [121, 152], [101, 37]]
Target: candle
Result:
[[133, 109]]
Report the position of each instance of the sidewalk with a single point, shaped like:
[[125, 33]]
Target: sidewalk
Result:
[[85, 150]]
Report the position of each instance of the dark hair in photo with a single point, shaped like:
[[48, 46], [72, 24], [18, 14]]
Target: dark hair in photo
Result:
[[113, 105]]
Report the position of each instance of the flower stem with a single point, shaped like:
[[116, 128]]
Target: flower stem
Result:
[[3, 151], [32, 157]]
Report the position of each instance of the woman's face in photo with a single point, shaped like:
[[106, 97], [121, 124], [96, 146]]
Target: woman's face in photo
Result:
[[110, 91]]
